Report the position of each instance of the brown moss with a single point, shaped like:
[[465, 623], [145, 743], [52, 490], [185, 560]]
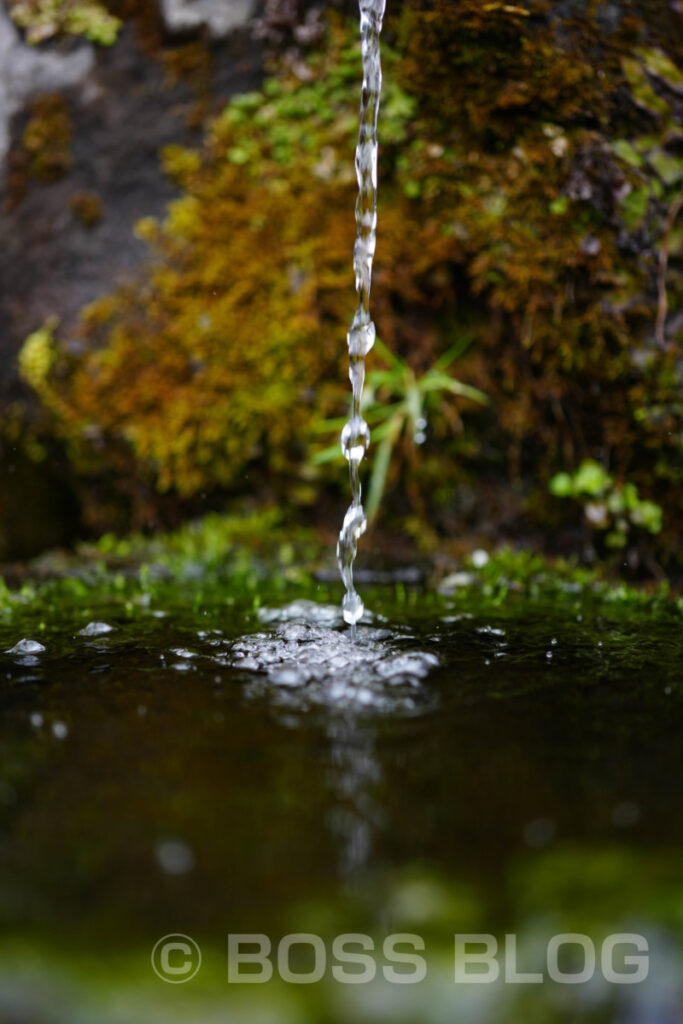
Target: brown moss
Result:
[[46, 139], [191, 63], [87, 208]]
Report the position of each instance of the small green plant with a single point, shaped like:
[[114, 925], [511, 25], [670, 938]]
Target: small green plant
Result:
[[44, 19], [606, 506], [396, 404]]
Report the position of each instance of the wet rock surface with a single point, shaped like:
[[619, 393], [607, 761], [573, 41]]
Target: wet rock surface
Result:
[[123, 111], [219, 18], [65, 242], [26, 71]]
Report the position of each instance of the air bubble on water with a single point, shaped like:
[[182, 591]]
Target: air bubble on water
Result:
[[27, 646], [290, 676], [96, 629], [182, 652], [244, 661], [416, 665], [306, 611], [539, 832], [626, 814], [174, 857]]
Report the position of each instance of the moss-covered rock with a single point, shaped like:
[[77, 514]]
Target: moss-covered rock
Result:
[[529, 180]]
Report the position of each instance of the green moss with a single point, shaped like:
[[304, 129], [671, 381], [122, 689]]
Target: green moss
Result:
[[45, 19], [242, 561], [36, 356]]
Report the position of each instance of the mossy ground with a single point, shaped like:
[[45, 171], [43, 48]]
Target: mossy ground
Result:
[[224, 566]]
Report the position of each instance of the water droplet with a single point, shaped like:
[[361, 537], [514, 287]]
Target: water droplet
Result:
[[36, 719], [352, 608], [355, 439], [60, 730], [361, 338], [355, 522]]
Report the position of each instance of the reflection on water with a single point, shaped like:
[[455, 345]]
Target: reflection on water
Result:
[[355, 814], [165, 776]]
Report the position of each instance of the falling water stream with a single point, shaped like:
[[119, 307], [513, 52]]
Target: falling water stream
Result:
[[355, 436]]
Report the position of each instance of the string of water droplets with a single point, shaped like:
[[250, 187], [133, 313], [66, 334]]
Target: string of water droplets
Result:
[[355, 436]]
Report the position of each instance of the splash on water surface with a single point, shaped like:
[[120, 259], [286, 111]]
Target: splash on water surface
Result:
[[308, 660]]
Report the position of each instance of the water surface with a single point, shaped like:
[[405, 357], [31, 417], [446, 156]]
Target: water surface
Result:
[[511, 770]]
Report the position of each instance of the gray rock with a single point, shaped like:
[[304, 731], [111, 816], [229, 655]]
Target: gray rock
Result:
[[219, 17], [26, 71]]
